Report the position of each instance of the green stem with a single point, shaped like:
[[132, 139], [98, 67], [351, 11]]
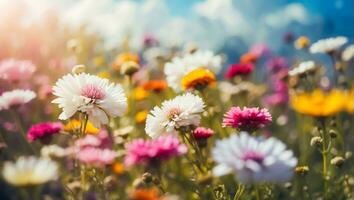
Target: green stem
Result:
[[324, 158], [258, 193]]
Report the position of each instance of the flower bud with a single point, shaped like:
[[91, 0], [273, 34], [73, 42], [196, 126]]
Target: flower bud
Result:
[[302, 170], [77, 69], [147, 177], [129, 68], [333, 133], [337, 161], [316, 141]]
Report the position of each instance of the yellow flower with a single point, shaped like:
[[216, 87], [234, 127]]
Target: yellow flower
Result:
[[349, 103], [197, 78], [139, 93], [318, 103], [74, 126], [99, 60], [140, 117], [104, 74], [302, 42], [125, 57]]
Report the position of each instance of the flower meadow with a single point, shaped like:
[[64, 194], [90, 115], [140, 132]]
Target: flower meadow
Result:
[[79, 121]]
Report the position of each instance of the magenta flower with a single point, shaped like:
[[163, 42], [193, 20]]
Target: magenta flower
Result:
[[43, 131], [202, 133], [239, 69], [276, 64], [142, 151], [96, 156], [16, 70], [260, 50], [247, 119]]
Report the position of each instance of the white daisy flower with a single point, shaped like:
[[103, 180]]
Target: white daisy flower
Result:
[[302, 68], [253, 159], [328, 45], [348, 53], [49, 151], [15, 98], [30, 171], [181, 66], [184, 110], [91, 95]]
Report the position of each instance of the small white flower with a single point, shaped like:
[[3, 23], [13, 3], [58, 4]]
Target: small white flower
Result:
[[15, 98], [302, 68], [180, 66], [253, 159], [49, 151], [30, 171], [91, 95], [348, 53], [184, 110], [328, 45]]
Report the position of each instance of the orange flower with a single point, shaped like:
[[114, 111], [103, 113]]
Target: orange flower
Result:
[[248, 58], [140, 117], [118, 168], [198, 78], [145, 194], [302, 42], [318, 103], [155, 85], [125, 57]]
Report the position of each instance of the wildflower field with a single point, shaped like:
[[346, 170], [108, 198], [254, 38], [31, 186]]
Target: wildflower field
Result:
[[133, 103]]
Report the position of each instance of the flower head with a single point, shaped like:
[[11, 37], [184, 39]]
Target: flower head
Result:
[[318, 103], [91, 95], [276, 64], [15, 98], [198, 78], [73, 126], [348, 53], [123, 58], [302, 68], [43, 130], [238, 69], [247, 118], [182, 111], [155, 85], [328, 45], [202, 133], [30, 171], [253, 159], [54, 150], [16, 70], [249, 57], [302, 42], [179, 67], [141, 151], [96, 156]]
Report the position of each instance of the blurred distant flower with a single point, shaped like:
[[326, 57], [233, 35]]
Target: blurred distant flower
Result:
[[16, 70], [139, 93], [276, 64], [198, 79], [302, 68], [260, 50], [129, 68], [348, 53], [28, 171], [350, 101], [43, 131], [288, 37], [104, 74], [91, 95], [202, 133], [302, 42], [101, 140], [150, 40], [53, 151], [253, 160], [239, 69], [74, 126], [15, 98], [118, 168], [141, 116], [123, 58], [247, 119], [96, 156], [249, 57], [179, 67], [328, 45], [318, 103], [145, 194], [276, 98], [141, 151], [155, 85], [182, 111]]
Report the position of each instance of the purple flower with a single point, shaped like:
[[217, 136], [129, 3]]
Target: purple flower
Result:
[[276, 64], [141, 151], [43, 130], [247, 119]]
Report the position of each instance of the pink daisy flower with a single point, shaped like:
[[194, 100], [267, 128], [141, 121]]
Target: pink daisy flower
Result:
[[142, 151], [239, 69], [96, 156], [16, 70], [43, 131], [248, 119], [15, 98]]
